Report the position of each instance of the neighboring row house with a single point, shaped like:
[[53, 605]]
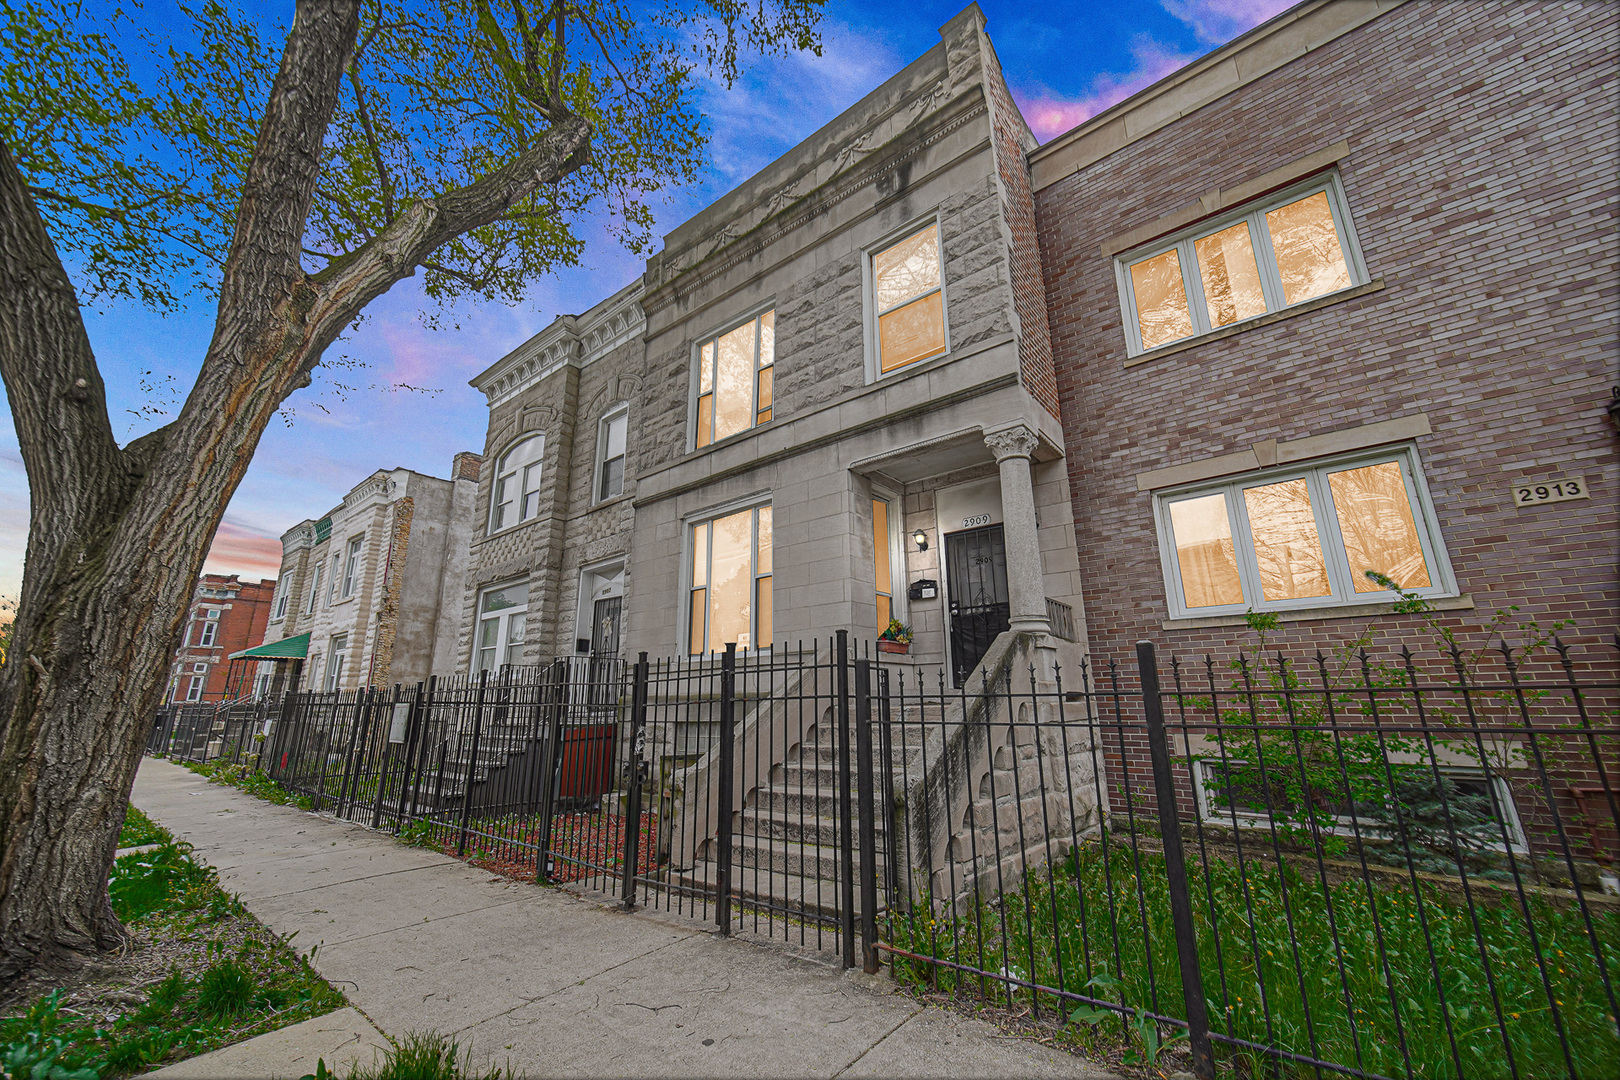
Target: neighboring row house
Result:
[[225, 617]]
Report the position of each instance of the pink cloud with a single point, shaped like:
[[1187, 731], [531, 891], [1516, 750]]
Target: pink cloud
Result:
[[243, 551], [1049, 116], [1215, 22]]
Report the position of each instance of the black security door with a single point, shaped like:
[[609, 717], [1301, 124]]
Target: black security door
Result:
[[976, 565]]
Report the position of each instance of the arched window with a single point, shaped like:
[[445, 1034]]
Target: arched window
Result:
[[515, 495]]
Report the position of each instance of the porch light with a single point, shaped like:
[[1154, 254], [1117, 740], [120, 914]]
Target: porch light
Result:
[[920, 538]]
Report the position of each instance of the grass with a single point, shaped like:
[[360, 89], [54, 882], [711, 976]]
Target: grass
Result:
[[418, 1056], [254, 782], [231, 978], [1100, 927]]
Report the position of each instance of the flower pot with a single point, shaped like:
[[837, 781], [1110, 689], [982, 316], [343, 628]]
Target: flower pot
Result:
[[901, 647]]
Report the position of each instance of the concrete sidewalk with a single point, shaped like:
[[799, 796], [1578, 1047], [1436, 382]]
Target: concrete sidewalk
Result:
[[549, 983]]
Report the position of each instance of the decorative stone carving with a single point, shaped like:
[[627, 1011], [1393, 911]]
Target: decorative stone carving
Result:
[[926, 100], [1012, 442], [779, 201], [856, 147]]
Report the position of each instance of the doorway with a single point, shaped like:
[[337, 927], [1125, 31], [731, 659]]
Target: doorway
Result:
[[976, 595]]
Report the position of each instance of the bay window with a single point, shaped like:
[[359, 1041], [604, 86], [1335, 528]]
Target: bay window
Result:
[[729, 598]]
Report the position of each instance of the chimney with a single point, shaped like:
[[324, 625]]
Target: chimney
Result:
[[465, 466]]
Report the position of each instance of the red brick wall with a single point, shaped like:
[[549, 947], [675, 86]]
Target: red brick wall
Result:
[[241, 626], [1482, 182]]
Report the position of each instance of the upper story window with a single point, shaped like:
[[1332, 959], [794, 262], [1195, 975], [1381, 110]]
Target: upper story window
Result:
[[351, 566], [1266, 256], [610, 452], [315, 587], [735, 379], [278, 606], [515, 496], [909, 300], [730, 591], [210, 628], [1303, 536]]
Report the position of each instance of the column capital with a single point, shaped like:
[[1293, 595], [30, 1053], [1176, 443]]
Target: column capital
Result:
[[1016, 441]]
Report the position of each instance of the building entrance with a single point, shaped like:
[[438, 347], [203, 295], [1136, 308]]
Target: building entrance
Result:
[[976, 591]]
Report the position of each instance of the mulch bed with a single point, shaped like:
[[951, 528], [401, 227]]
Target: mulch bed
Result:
[[584, 844]]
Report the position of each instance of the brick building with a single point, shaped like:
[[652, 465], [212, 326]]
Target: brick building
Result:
[[226, 616]]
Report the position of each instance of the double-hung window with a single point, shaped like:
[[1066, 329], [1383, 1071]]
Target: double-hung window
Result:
[[515, 496], [315, 587], [909, 300], [610, 452], [502, 617], [210, 629], [735, 379], [1267, 256], [730, 592], [339, 658], [1302, 537], [351, 566], [278, 607]]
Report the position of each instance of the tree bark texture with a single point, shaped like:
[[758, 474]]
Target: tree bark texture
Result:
[[118, 535]]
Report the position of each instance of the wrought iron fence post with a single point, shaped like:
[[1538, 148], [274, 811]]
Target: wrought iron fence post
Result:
[[408, 755], [278, 733], [386, 727], [864, 796], [347, 786], [846, 837], [728, 770], [472, 764], [550, 765], [632, 810], [1164, 788]]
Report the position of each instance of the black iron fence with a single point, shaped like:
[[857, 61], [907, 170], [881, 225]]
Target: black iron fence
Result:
[[202, 732], [1352, 865]]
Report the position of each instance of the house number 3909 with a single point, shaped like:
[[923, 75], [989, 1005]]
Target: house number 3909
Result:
[[1560, 489]]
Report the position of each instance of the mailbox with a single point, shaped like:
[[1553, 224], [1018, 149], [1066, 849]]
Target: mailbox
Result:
[[923, 589]]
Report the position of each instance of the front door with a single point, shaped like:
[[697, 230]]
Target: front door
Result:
[[976, 590]]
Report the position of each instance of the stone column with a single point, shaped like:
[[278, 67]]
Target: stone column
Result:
[[1026, 585]]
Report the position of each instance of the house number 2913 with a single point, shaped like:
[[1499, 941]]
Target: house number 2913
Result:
[[1560, 489]]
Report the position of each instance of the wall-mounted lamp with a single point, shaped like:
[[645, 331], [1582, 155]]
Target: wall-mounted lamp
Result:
[[920, 538]]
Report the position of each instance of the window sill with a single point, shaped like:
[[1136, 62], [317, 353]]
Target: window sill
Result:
[[603, 504], [1464, 602], [1375, 285]]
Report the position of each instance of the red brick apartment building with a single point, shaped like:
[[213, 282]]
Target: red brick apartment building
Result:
[[226, 616], [1343, 294]]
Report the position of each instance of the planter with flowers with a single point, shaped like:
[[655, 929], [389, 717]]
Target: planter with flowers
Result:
[[896, 638]]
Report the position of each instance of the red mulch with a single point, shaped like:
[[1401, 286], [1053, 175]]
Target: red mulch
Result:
[[590, 837]]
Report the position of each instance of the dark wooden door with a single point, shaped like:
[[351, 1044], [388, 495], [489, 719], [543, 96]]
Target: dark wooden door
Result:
[[976, 588]]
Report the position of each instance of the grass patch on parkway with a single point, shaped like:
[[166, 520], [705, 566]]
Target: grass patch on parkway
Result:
[[199, 973]]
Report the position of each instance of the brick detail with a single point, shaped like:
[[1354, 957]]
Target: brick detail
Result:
[[399, 542]]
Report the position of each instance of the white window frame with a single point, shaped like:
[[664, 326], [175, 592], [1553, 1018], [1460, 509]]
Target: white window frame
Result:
[[696, 389], [503, 626], [874, 350], [194, 692], [527, 473], [315, 585], [708, 517], [352, 553], [278, 605], [1265, 259], [1314, 472], [621, 411], [1342, 824], [210, 631], [337, 656]]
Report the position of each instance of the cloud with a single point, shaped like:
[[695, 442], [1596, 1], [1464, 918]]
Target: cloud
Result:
[[240, 550], [1215, 22], [1049, 115]]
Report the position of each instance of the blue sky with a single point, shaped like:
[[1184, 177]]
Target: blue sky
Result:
[[1065, 60]]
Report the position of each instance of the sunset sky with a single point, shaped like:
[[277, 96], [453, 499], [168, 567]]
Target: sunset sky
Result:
[[1064, 60]]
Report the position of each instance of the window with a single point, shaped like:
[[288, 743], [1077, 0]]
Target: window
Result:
[[278, 607], [337, 579], [351, 566], [210, 630], [1268, 256], [882, 550], [502, 615], [735, 379], [730, 595], [314, 588], [339, 656], [261, 685], [515, 496], [610, 452], [909, 300], [194, 692], [1302, 537]]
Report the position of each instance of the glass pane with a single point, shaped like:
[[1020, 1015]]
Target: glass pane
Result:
[[613, 478], [907, 269], [705, 420], [764, 608], [515, 625], [1283, 527], [767, 339], [731, 581], [706, 369], [912, 332], [1375, 519], [765, 387], [510, 596], [1309, 257], [1161, 300], [1231, 279], [880, 545], [734, 383], [883, 613], [700, 556], [1203, 535], [615, 436], [764, 415], [527, 450], [488, 632], [699, 606], [764, 564]]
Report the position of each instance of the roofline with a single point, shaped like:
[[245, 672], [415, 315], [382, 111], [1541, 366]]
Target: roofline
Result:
[[1251, 56]]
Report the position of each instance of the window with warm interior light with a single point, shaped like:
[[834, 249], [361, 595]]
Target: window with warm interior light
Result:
[[730, 572], [735, 380], [1267, 256], [1302, 537], [882, 557], [909, 300], [514, 496]]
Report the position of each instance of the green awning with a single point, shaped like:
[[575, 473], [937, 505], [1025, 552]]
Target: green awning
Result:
[[290, 648]]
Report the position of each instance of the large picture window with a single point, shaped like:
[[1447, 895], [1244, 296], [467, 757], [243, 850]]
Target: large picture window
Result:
[[735, 384], [515, 495], [1269, 255], [909, 300], [730, 594], [1302, 537]]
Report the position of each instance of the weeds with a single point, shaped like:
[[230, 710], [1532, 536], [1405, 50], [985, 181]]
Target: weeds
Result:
[[423, 1055]]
